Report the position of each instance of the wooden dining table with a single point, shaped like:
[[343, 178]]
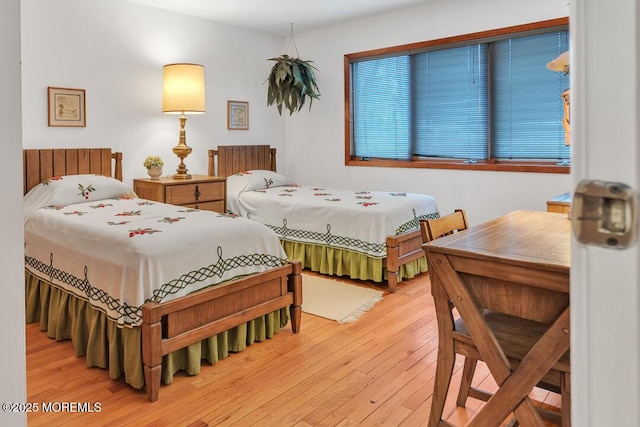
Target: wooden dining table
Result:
[[517, 264]]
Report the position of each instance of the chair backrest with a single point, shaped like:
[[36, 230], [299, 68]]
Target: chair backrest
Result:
[[432, 229]]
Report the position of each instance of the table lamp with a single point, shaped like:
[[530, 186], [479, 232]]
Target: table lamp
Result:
[[183, 93]]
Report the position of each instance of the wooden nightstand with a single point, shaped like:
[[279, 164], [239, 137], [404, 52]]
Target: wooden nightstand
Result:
[[560, 204], [200, 192]]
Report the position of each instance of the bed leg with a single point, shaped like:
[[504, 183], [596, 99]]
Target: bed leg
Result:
[[393, 262], [294, 285], [392, 279], [152, 381], [296, 317], [151, 352]]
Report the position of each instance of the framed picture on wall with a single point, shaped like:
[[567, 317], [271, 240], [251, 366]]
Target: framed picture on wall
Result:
[[67, 107], [237, 115]]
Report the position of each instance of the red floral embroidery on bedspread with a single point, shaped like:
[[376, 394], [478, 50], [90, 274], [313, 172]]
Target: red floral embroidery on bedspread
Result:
[[53, 178], [84, 191], [130, 213], [142, 231], [78, 213], [171, 220]]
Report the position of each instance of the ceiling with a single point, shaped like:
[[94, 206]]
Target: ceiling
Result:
[[276, 16]]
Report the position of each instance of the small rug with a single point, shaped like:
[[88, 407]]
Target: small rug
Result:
[[336, 300]]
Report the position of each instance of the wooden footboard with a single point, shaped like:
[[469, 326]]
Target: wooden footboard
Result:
[[172, 325], [402, 249]]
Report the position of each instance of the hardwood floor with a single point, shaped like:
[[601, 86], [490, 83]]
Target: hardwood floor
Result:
[[378, 370]]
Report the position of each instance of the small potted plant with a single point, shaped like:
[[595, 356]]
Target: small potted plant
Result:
[[154, 166]]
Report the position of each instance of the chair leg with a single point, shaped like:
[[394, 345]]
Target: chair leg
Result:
[[513, 422], [444, 372], [467, 376], [565, 390]]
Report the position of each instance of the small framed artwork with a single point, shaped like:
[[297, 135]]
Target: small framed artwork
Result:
[[237, 115], [67, 107]]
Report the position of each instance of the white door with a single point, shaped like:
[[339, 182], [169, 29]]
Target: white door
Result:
[[605, 339]]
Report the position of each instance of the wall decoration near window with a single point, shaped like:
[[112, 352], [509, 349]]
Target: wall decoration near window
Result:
[[561, 63], [67, 107], [237, 115]]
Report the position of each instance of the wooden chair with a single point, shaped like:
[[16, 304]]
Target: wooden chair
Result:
[[434, 228], [508, 331]]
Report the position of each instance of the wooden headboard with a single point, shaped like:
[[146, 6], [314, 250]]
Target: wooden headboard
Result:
[[239, 158], [41, 164]]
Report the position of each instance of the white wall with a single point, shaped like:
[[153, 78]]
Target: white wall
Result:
[[12, 375], [315, 138], [115, 50]]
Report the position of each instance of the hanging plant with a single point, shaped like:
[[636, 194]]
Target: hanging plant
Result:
[[291, 81]]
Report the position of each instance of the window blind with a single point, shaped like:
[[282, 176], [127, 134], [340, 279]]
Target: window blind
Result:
[[527, 108], [381, 108], [450, 102], [491, 99]]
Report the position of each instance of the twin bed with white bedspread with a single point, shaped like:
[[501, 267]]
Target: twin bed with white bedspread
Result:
[[145, 289], [365, 235], [358, 221]]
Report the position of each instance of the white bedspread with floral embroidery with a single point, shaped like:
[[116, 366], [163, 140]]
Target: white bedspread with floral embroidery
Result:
[[118, 252], [359, 221]]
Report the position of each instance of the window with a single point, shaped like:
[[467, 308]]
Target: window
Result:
[[480, 101]]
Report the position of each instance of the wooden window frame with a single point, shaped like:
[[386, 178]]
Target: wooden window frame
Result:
[[416, 162]]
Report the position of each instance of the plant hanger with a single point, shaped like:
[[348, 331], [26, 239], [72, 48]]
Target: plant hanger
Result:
[[291, 80], [292, 44]]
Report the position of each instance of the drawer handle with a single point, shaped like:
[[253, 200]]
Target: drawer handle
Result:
[[197, 193]]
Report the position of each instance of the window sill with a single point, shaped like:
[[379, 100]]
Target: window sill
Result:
[[501, 166]]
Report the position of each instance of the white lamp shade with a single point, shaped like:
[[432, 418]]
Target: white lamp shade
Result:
[[561, 63], [183, 89]]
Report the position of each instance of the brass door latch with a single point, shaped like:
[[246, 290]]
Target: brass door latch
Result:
[[605, 214]]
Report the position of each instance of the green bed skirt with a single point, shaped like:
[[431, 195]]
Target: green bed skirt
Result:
[[342, 262], [63, 316]]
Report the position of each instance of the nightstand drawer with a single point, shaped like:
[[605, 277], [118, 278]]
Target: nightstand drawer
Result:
[[192, 193], [217, 206]]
